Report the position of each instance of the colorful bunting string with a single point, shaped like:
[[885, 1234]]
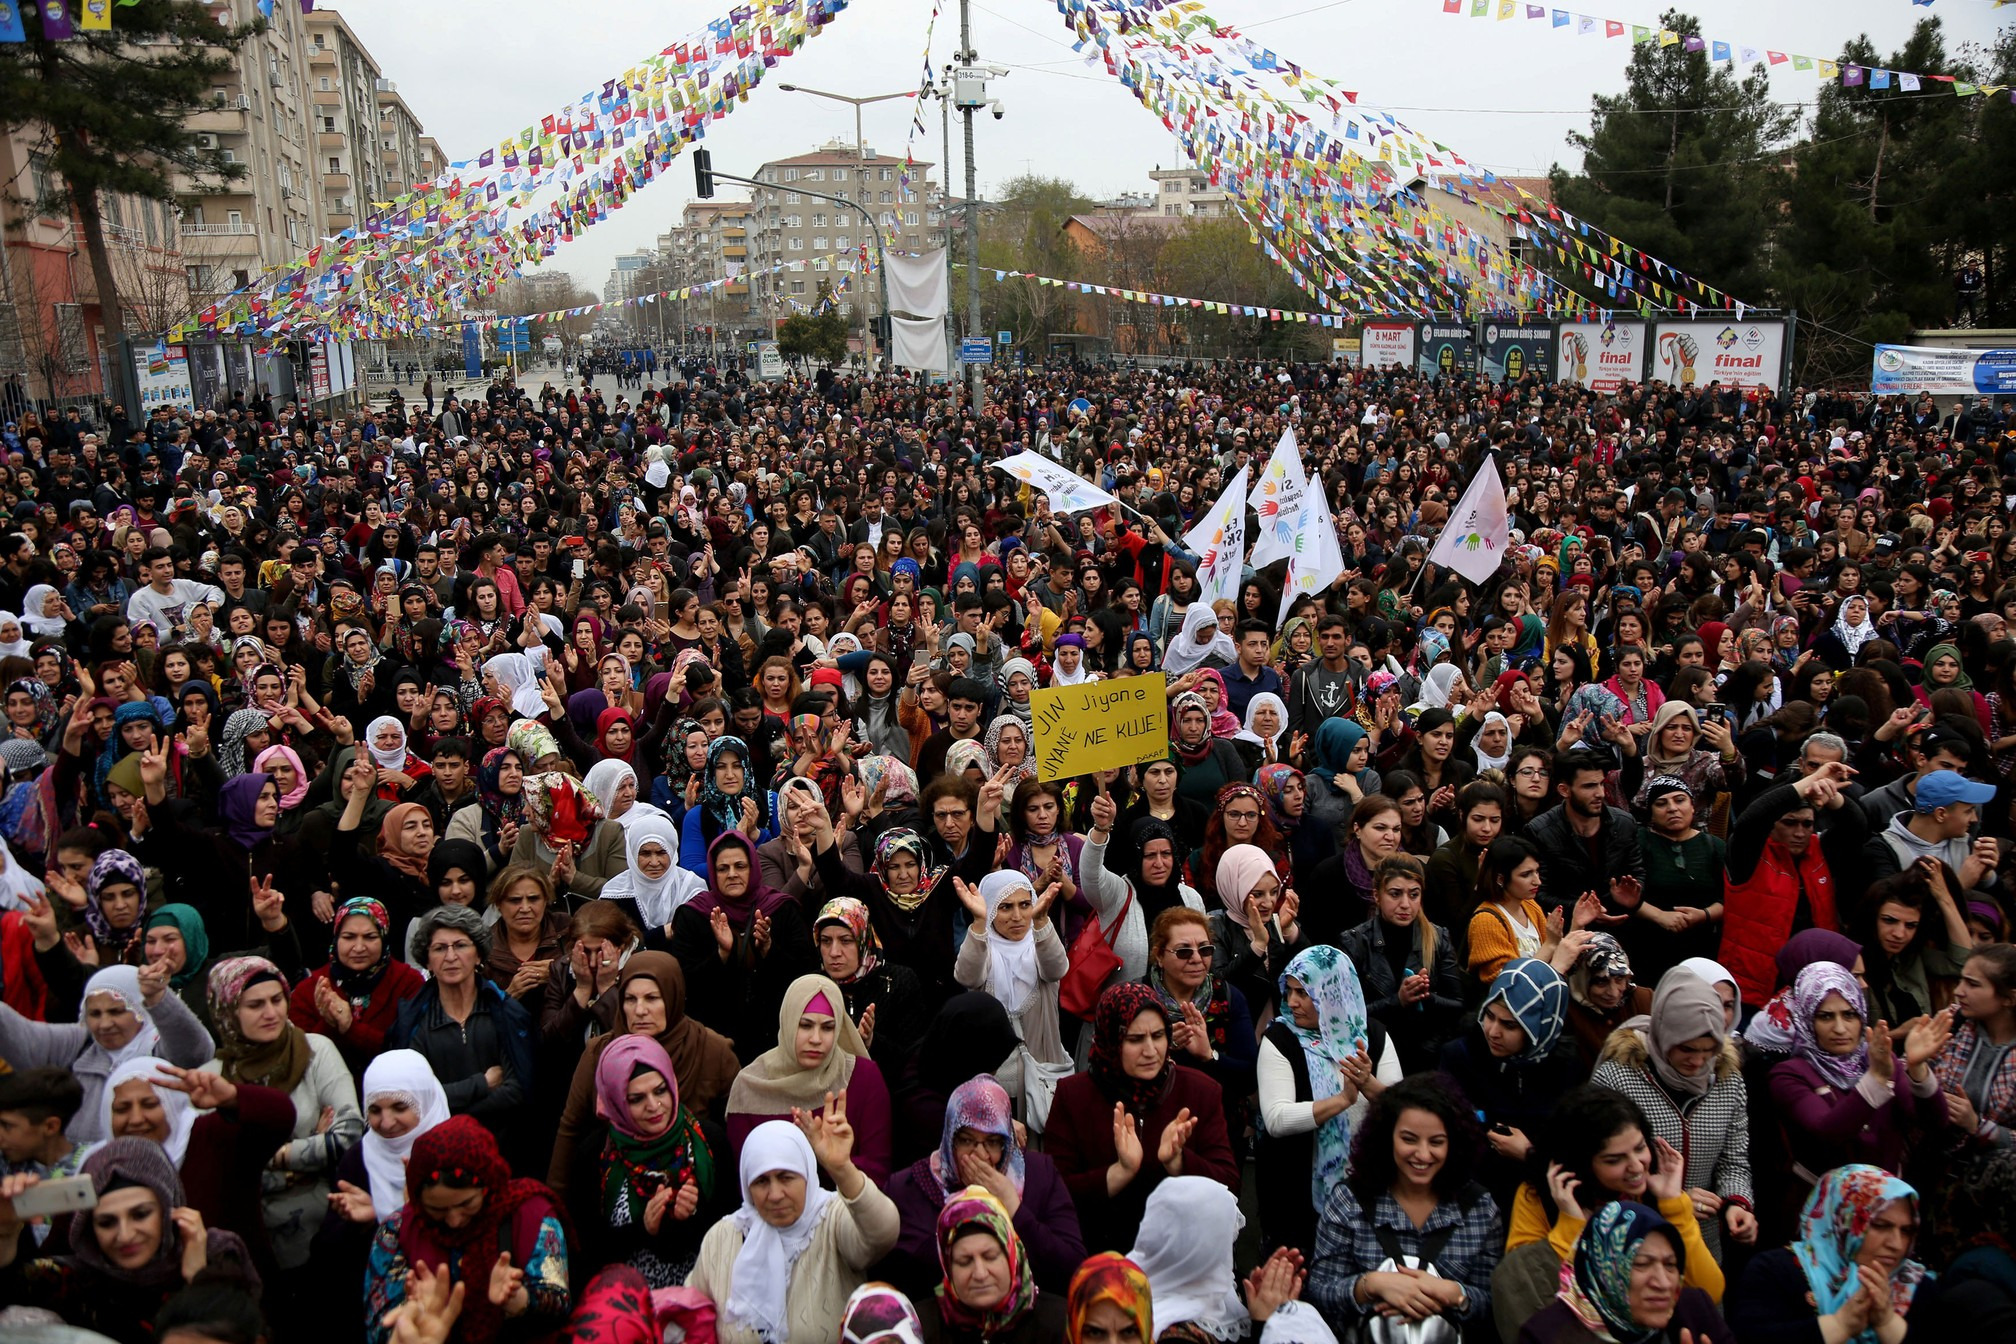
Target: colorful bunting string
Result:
[[683, 292], [1721, 51], [423, 257]]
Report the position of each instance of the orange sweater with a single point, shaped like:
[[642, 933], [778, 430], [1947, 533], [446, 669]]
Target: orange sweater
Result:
[[1492, 942]]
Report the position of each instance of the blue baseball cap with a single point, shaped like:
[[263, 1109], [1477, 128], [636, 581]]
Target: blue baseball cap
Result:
[[1943, 788]]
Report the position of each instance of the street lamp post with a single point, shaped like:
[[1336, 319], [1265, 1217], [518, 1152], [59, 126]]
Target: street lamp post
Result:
[[860, 170]]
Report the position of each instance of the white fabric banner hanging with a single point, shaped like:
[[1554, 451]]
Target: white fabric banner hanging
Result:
[[917, 284], [918, 343]]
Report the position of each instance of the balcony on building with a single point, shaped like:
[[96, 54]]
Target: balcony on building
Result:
[[335, 181]]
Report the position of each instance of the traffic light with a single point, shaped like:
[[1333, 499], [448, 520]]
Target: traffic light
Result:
[[703, 174]]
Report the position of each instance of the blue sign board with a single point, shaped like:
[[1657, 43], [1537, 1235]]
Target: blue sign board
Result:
[[979, 351], [515, 339], [1004, 338], [472, 351]]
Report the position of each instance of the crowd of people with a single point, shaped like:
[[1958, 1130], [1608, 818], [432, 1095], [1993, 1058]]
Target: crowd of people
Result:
[[574, 866]]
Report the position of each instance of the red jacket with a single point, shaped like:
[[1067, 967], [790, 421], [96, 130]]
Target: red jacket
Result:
[[368, 1025], [1757, 914], [21, 984]]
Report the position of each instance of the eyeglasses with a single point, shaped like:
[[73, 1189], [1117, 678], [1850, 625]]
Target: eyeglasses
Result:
[[1530, 772], [450, 949], [1242, 815], [1189, 953]]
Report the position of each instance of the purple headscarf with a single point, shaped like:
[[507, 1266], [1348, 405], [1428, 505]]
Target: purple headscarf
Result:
[[236, 804], [981, 1105]]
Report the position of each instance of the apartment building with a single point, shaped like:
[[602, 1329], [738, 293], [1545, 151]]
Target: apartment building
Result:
[[786, 224], [1188, 193], [710, 243], [343, 96], [406, 155], [262, 116]]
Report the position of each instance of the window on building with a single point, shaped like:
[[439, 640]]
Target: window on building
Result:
[[818, 221], [840, 241], [839, 174], [910, 218], [815, 174], [819, 243], [335, 164], [234, 220], [888, 174], [797, 286], [790, 174], [43, 178], [889, 219], [324, 83], [791, 198], [794, 245], [887, 197]]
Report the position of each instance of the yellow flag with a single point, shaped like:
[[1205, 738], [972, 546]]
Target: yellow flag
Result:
[[97, 16]]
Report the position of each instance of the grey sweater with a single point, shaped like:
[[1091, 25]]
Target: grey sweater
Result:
[[27, 1044]]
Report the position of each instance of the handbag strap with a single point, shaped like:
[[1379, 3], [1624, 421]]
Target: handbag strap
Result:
[[1120, 921]]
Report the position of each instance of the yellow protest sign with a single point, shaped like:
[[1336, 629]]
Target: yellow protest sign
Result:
[[1100, 725]]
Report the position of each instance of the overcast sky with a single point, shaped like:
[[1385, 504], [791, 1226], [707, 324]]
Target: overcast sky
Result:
[[1502, 94]]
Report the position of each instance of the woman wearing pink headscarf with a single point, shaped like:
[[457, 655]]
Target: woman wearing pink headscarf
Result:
[[1257, 932]]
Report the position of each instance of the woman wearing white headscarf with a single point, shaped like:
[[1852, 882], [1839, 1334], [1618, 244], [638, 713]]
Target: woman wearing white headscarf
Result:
[[1013, 952], [517, 675], [1272, 747], [651, 889], [124, 1018], [1436, 689], [1200, 643], [14, 642], [402, 1100], [783, 1265], [614, 785], [1185, 1249], [177, 1113], [37, 620]]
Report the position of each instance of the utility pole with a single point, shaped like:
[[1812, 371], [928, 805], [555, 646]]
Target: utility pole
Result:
[[969, 90]]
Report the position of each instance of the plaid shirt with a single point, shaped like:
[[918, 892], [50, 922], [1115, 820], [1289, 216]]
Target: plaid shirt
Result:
[[1347, 1246], [1996, 1111]]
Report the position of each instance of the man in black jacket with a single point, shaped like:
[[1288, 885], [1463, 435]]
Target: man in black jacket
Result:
[[1586, 845]]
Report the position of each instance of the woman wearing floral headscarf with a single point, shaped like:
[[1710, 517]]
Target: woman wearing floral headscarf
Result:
[[988, 1287], [647, 1193], [1110, 1294], [356, 997], [1321, 1062], [1846, 1095], [1625, 1285], [499, 810], [258, 1045], [886, 999], [466, 1217], [1849, 1278], [1008, 748]]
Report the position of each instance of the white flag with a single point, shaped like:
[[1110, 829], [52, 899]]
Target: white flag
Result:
[[1478, 533], [1316, 561], [1277, 498], [1068, 491], [1219, 543]]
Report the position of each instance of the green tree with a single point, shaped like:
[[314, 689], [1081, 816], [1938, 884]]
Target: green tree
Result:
[[1025, 232], [1215, 259], [1979, 200], [111, 111], [1682, 164], [820, 334], [1868, 244]]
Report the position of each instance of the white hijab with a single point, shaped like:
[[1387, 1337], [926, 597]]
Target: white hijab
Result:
[[1484, 762], [394, 759], [121, 983], [17, 647], [1185, 1249], [1436, 685], [1011, 966], [33, 621], [1251, 734], [760, 1285], [606, 777], [19, 888], [1186, 651], [398, 1073], [181, 1115], [1854, 636], [518, 674], [657, 901]]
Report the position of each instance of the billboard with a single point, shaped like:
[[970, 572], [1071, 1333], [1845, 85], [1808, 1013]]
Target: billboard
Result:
[[1513, 349], [1745, 354], [1601, 356], [1446, 349], [1388, 343], [161, 371], [1943, 372]]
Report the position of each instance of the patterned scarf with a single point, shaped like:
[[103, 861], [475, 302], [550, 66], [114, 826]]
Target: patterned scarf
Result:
[[975, 1210], [1596, 1280], [1118, 1007]]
